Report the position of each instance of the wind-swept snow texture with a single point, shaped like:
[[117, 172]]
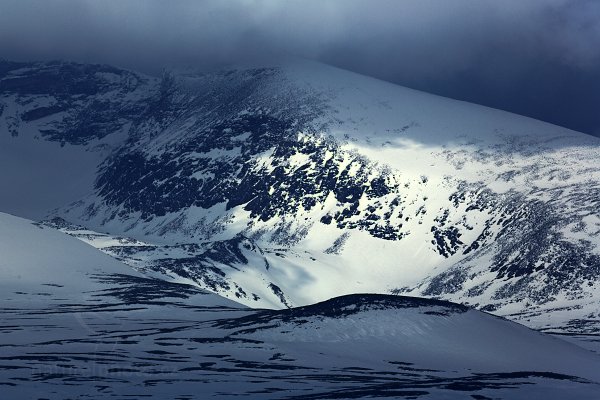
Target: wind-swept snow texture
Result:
[[285, 185], [75, 323]]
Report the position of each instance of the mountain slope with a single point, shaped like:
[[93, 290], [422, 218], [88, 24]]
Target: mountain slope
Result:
[[58, 121], [300, 182], [76, 323]]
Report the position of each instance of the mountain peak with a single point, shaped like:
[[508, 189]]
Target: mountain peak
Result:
[[341, 184]]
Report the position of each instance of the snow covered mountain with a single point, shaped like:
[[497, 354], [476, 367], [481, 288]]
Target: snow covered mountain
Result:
[[287, 185], [76, 323]]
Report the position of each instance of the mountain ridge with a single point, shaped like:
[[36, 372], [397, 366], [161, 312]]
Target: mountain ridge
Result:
[[343, 184]]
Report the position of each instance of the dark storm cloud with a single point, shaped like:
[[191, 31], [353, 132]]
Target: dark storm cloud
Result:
[[535, 57]]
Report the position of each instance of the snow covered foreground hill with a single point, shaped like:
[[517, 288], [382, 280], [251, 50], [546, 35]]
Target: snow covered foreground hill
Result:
[[76, 323], [288, 185]]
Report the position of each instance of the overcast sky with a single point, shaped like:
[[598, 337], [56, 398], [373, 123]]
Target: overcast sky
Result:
[[539, 58]]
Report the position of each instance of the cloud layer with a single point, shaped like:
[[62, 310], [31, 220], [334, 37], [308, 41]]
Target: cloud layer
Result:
[[536, 57]]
